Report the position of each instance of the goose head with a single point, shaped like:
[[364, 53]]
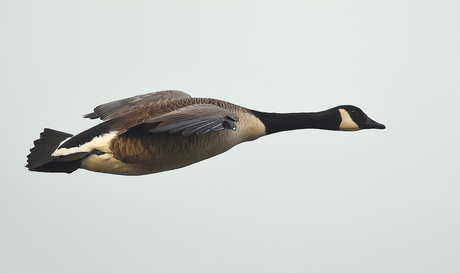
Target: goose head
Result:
[[353, 119]]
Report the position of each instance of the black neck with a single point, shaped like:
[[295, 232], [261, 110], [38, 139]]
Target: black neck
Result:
[[276, 122]]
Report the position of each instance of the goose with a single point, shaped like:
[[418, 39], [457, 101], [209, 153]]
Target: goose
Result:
[[167, 130]]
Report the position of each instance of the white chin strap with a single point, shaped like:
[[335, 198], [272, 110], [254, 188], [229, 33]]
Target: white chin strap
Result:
[[347, 123]]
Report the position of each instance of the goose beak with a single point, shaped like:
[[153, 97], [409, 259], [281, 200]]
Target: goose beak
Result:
[[370, 124]]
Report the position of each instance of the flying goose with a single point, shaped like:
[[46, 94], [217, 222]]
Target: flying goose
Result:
[[167, 130]]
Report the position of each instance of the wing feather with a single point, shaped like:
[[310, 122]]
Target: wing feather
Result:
[[195, 119], [114, 109]]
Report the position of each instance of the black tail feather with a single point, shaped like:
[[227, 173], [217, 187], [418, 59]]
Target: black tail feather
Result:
[[40, 158]]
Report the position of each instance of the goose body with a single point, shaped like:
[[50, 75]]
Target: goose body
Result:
[[167, 130]]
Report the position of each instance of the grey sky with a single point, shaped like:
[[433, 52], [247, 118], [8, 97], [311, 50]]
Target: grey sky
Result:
[[303, 201]]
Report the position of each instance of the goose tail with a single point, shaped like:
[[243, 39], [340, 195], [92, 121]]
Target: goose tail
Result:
[[40, 158]]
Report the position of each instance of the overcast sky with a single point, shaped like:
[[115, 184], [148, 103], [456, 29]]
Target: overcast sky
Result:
[[301, 201]]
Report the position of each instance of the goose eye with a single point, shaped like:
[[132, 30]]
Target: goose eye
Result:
[[353, 112]]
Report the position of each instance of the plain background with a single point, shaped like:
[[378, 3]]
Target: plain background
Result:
[[303, 201]]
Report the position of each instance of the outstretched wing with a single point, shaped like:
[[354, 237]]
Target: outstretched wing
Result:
[[193, 119], [111, 110]]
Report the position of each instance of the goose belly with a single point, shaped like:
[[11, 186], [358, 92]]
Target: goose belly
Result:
[[138, 153]]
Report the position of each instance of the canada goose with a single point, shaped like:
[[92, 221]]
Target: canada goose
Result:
[[167, 130]]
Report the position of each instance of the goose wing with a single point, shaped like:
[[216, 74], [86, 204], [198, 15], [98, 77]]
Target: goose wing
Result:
[[114, 109], [193, 119]]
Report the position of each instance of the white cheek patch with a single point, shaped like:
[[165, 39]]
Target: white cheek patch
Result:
[[347, 123], [100, 143]]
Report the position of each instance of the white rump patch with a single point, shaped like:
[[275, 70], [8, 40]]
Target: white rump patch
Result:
[[100, 143], [347, 124]]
